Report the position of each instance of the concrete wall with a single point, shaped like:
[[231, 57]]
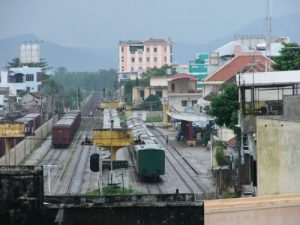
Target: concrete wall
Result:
[[175, 101], [22, 149], [278, 155], [291, 109], [275, 210]]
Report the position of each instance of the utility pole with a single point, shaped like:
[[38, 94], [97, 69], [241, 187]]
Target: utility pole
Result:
[[269, 27], [49, 176], [77, 98]]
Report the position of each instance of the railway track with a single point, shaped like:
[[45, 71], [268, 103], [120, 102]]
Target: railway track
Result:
[[71, 179], [181, 167], [149, 188]]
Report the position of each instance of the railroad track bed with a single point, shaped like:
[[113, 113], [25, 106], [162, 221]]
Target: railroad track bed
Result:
[[69, 170], [179, 174]]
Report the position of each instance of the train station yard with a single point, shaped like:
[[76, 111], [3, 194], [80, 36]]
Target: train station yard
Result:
[[67, 170]]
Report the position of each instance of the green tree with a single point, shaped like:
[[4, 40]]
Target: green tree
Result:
[[152, 103], [289, 58], [225, 106], [16, 63]]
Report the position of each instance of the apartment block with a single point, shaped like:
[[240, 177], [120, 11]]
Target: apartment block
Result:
[[138, 56]]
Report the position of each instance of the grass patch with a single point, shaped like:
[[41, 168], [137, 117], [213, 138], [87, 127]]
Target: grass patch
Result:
[[229, 194], [113, 191], [154, 119], [69, 160]]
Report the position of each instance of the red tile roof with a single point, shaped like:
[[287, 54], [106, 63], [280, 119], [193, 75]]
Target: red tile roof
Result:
[[237, 64], [232, 143], [183, 76], [36, 94]]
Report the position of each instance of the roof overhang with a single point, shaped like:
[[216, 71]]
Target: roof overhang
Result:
[[264, 79], [191, 117]]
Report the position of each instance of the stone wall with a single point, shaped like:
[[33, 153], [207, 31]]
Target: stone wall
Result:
[[21, 194]]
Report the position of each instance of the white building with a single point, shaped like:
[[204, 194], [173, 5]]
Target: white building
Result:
[[22, 79]]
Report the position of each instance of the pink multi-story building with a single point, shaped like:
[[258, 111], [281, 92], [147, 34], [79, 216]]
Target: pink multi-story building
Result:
[[136, 57]]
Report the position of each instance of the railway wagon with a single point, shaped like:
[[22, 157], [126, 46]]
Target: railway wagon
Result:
[[36, 117], [150, 161], [31, 122], [149, 157], [77, 114], [63, 132]]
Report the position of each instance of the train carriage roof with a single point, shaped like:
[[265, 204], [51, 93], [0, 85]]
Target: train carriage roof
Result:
[[148, 147], [65, 122]]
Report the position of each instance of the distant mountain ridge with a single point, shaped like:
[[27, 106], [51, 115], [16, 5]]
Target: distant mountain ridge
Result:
[[92, 59], [73, 58]]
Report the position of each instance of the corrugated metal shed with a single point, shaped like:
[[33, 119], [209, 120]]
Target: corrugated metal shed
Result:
[[268, 78]]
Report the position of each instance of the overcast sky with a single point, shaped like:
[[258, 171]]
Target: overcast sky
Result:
[[102, 23]]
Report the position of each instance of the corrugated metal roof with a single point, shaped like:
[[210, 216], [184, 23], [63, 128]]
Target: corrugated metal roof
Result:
[[229, 48], [268, 78], [65, 122], [191, 117]]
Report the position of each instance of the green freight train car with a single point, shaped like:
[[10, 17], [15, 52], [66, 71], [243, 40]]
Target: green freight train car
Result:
[[150, 161]]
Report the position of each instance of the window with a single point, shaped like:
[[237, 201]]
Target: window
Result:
[[155, 49], [140, 59], [173, 87], [155, 59], [194, 102], [184, 103], [165, 58], [148, 59], [158, 93], [132, 69], [142, 94], [132, 59], [28, 89], [148, 49], [29, 77], [122, 59], [165, 48]]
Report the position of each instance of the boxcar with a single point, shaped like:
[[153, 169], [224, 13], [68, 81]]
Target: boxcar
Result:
[[150, 161], [31, 122], [36, 117], [77, 114], [63, 133]]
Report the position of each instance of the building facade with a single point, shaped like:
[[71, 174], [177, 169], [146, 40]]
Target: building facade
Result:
[[199, 68], [158, 86], [266, 121], [20, 79], [137, 56], [182, 92]]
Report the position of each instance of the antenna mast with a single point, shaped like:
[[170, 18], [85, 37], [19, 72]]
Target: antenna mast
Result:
[[269, 26]]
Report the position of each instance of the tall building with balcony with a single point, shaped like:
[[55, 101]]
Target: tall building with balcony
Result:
[[136, 57]]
